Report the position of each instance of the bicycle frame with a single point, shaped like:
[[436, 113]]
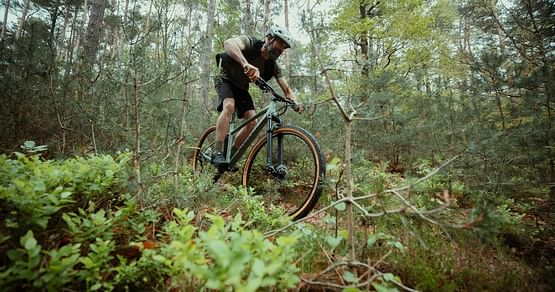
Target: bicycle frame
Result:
[[270, 120]]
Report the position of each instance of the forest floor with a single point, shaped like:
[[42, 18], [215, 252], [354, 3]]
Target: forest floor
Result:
[[538, 250]]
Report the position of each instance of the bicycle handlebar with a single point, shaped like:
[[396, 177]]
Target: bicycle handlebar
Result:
[[264, 86]]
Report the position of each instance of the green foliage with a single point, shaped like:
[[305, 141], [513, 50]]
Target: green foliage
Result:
[[32, 190], [115, 246], [461, 263], [441, 80], [228, 256], [262, 215], [88, 226]]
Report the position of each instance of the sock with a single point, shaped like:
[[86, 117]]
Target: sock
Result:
[[219, 145]]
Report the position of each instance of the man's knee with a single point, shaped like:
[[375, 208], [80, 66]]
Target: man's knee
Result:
[[228, 106]]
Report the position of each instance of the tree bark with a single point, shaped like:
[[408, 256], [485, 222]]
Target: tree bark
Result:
[[188, 93], [72, 40], [288, 52], [205, 66], [247, 25], [4, 23], [137, 117], [94, 31], [266, 15], [22, 19], [363, 42], [497, 25], [62, 37]]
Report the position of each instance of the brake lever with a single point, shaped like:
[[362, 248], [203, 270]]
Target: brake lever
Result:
[[263, 85]]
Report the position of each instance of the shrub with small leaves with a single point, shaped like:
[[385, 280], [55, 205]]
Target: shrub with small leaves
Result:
[[229, 256]]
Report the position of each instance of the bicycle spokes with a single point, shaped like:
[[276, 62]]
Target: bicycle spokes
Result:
[[292, 178]]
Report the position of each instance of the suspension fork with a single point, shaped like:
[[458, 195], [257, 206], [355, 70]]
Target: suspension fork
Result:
[[274, 122]]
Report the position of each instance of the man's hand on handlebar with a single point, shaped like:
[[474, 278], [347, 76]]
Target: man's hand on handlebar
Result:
[[252, 72], [298, 107]]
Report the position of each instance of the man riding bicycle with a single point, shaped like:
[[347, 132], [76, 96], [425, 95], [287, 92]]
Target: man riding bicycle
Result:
[[245, 60]]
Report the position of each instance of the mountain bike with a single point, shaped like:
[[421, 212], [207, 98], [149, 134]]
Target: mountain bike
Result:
[[285, 166]]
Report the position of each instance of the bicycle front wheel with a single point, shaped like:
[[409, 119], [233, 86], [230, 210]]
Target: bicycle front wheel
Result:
[[294, 180]]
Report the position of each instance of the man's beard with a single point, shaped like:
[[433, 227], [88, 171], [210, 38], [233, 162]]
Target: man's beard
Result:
[[274, 54]]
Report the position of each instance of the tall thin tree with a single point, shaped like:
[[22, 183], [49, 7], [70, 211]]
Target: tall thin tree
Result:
[[4, 23], [22, 19], [205, 66]]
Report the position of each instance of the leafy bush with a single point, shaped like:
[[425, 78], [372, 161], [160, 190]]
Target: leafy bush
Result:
[[103, 240], [32, 190], [228, 255]]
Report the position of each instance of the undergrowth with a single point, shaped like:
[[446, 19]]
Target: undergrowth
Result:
[[72, 225]]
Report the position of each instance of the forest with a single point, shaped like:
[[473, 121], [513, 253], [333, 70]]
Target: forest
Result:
[[435, 119]]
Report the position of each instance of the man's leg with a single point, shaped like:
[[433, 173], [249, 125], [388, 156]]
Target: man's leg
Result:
[[222, 125], [245, 132]]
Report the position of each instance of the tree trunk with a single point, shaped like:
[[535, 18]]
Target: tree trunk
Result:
[[497, 25], [137, 116], [22, 19], [4, 23], [266, 15], [72, 40], [79, 35], [94, 31], [363, 42], [288, 52], [247, 25], [188, 94], [62, 37], [205, 66], [349, 187]]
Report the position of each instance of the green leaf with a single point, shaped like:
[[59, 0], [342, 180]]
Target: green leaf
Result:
[[65, 195], [333, 242], [28, 241], [42, 222], [159, 258], [349, 277], [220, 250], [258, 267], [388, 277], [350, 289], [340, 207], [15, 255], [383, 288], [335, 160], [29, 144], [372, 238], [4, 238], [344, 233], [96, 286], [397, 245], [87, 262], [333, 164]]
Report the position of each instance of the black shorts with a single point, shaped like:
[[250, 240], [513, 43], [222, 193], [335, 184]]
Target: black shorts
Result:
[[226, 89]]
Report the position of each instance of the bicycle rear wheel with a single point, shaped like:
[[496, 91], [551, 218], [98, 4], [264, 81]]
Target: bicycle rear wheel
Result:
[[203, 152], [297, 180]]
